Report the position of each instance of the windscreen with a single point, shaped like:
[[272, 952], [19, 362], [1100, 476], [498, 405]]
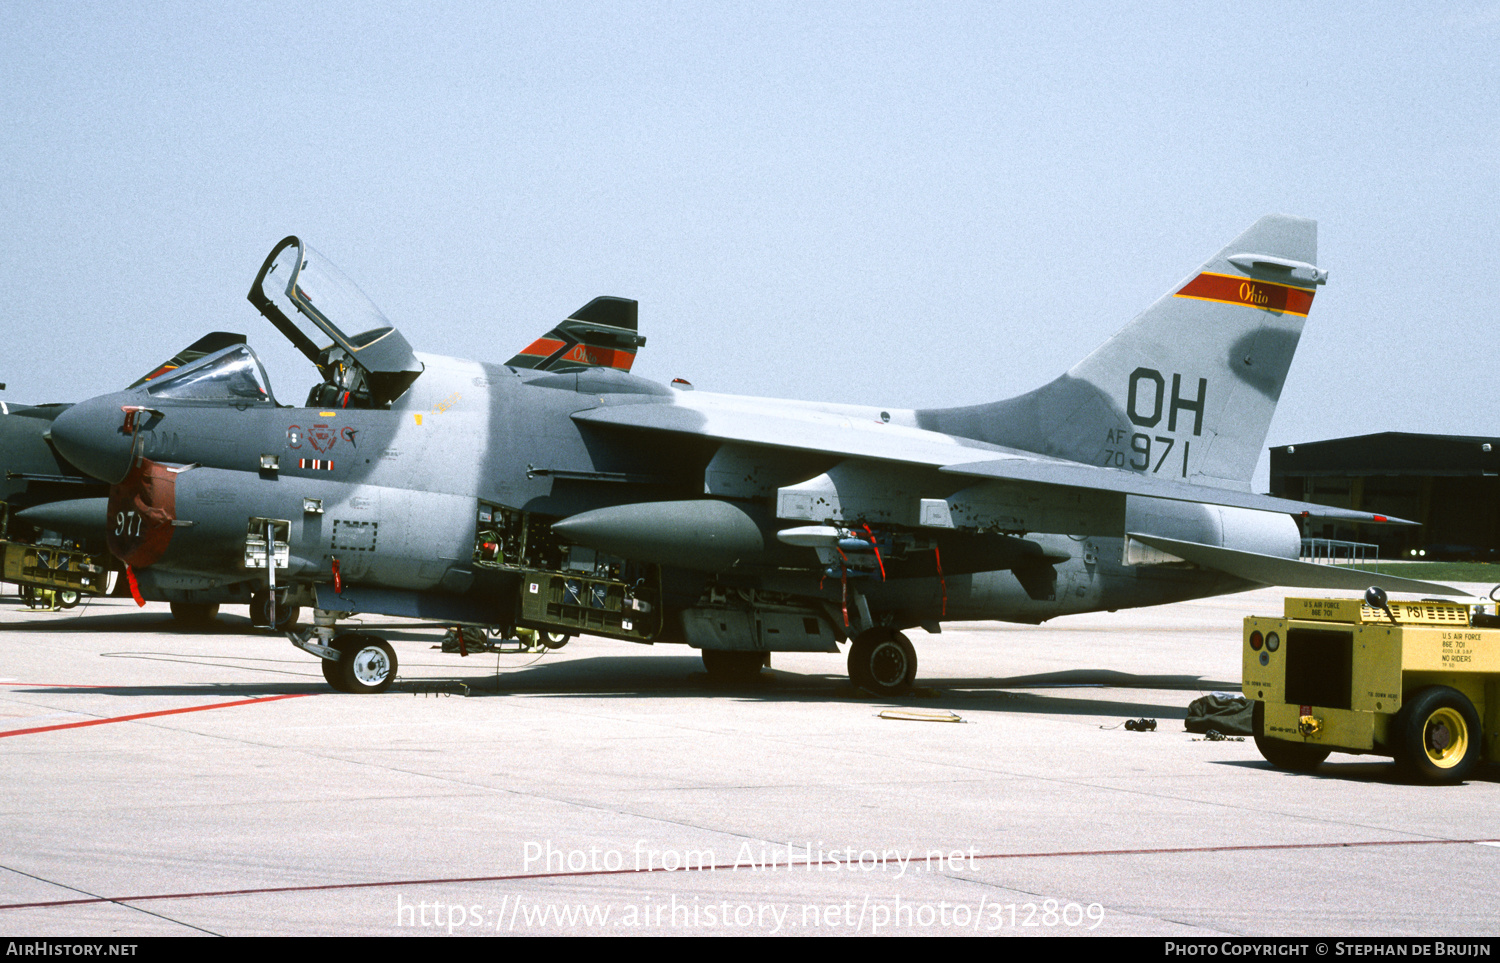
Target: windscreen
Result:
[[233, 375]]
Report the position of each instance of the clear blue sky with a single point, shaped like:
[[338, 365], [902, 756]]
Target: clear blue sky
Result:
[[906, 204]]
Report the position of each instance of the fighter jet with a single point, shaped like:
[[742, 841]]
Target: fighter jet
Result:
[[560, 493], [51, 526]]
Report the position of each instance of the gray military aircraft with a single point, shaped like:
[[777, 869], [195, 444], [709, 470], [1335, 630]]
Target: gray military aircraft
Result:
[[560, 493], [67, 553]]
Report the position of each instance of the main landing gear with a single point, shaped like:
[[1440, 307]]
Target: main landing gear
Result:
[[261, 609], [882, 661]]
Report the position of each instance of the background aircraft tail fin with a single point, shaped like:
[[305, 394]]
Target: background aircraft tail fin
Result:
[[208, 344], [601, 334], [1187, 390]]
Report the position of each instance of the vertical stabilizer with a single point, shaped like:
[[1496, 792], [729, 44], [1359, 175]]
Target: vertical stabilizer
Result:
[[601, 334], [1186, 390]]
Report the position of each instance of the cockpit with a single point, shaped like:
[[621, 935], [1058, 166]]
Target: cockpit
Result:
[[233, 376], [312, 302]]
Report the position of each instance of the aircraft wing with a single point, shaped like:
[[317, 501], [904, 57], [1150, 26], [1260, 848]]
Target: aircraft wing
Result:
[[1271, 570], [832, 433], [857, 435]]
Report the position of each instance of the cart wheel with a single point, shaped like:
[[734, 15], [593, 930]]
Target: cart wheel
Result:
[[1437, 735], [1296, 756]]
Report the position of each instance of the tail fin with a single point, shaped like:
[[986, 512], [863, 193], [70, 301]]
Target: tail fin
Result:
[[601, 334], [205, 345], [1187, 389]]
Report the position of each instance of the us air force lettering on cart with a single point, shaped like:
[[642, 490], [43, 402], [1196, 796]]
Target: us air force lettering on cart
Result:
[[560, 493]]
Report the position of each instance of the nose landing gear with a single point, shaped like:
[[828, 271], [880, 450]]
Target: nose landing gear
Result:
[[366, 664]]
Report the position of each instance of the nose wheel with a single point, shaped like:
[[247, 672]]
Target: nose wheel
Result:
[[366, 664]]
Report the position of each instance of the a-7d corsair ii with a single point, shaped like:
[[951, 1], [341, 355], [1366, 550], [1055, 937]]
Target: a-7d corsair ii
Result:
[[561, 493]]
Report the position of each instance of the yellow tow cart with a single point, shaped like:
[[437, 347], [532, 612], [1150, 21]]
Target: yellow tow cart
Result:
[[1416, 681]]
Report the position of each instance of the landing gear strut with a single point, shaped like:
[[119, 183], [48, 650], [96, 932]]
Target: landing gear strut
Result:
[[882, 661], [352, 661]]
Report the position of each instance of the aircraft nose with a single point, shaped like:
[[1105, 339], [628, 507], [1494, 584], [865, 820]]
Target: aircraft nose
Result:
[[92, 435]]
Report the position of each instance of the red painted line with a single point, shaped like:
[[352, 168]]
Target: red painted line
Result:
[[799, 866], [152, 715], [64, 685]]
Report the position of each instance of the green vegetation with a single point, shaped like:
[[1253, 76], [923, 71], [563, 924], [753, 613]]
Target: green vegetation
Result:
[[1438, 571]]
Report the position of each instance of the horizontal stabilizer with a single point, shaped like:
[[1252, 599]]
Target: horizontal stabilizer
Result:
[[1271, 570], [1071, 475]]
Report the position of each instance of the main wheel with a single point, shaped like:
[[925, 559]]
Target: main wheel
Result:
[[67, 598], [260, 613], [195, 614], [1436, 735], [1296, 756], [366, 664], [732, 666], [882, 661], [553, 640], [286, 617]]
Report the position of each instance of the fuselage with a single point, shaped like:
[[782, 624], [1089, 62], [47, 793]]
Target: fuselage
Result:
[[392, 495]]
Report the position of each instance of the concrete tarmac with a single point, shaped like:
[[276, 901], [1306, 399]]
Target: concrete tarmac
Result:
[[161, 782]]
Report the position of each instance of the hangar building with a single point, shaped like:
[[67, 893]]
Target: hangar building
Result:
[[1449, 483]]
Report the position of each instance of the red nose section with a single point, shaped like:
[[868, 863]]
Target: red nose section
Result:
[[142, 508]]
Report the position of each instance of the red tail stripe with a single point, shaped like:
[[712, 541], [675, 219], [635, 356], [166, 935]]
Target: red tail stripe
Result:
[[542, 347], [1228, 289]]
